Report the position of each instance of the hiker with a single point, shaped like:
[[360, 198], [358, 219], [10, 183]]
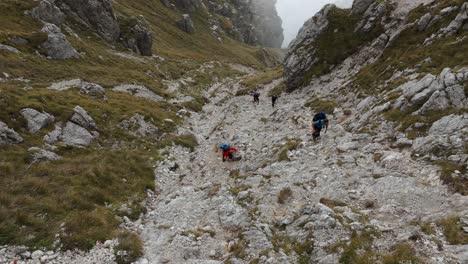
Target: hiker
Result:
[[256, 96], [274, 98], [230, 153], [318, 123]]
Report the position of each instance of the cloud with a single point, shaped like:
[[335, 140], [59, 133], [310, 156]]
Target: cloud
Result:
[[295, 12]]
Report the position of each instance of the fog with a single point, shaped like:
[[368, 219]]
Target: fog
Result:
[[295, 12]]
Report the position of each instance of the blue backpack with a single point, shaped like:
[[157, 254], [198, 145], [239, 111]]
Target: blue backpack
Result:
[[225, 147], [320, 124]]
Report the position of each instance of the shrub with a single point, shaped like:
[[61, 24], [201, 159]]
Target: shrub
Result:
[[331, 203], [402, 253], [284, 195], [458, 183], [453, 231], [129, 249], [317, 105]]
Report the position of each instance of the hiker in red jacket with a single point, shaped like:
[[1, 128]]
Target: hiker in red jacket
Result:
[[228, 152]]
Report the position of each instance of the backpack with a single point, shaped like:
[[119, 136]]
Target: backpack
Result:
[[256, 94], [320, 116], [225, 147], [319, 123]]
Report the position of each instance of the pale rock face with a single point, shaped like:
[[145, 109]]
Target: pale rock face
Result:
[[92, 89], [8, 135], [299, 60], [459, 22], [36, 120], [46, 11], [360, 6], [9, 48], [98, 14]]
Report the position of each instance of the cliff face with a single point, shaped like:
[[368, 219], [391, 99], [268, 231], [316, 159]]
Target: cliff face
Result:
[[252, 22], [366, 30]]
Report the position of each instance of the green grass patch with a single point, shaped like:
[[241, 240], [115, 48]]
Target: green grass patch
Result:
[[402, 253], [453, 231], [187, 141], [456, 183], [259, 79], [129, 249], [291, 144], [317, 105]]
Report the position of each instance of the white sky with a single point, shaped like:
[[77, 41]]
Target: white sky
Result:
[[295, 12]]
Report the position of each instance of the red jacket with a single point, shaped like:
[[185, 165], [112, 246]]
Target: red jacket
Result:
[[226, 153]]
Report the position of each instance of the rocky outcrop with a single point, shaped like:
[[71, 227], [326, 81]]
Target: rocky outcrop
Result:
[[97, 14], [8, 135], [57, 45], [252, 22], [48, 12], [459, 23], [139, 39], [360, 6], [301, 55], [186, 24], [79, 130], [138, 126], [36, 120], [433, 93], [91, 89], [41, 155]]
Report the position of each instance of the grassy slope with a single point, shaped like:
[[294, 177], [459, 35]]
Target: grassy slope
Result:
[[78, 197]]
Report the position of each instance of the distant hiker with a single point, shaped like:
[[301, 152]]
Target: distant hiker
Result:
[[274, 98], [319, 122], [256, 97], [230, 153]]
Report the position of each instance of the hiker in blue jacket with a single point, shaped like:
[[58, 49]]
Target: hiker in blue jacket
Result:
[[319, 122]]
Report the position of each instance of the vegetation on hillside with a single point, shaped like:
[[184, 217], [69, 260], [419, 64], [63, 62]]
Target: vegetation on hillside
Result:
[[82, 196]]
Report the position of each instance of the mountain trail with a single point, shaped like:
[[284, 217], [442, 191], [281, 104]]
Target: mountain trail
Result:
[[207, 211]]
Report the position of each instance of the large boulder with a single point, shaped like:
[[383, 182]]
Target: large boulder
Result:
[[76, 136], [301, 54], [97, 14], [48, 12], [8, 135], [138, 91], [36, 120], [81, 118], [9, 48], [450, 125], [57, 45], [91, 89]]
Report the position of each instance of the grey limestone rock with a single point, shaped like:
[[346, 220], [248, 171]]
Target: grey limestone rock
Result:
[[48, 12], [8, 135], [36, 120], [81, 118], [138, 91], [97, 14], [9, 48], [360, 6], [76, 136], [40, 155], [57, 45], [140, 40]]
